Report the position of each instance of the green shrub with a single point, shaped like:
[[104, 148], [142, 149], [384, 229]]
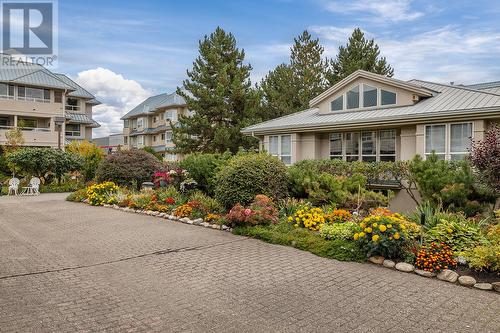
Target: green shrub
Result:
[[284, 233], [457, 231], [170, 192], [128, 168], [91, 154], [60, 188], [344, 231], [203, 168], [486, 257], [260, 212], [204, 205], [77, 196], [248, 175], [449, 184]]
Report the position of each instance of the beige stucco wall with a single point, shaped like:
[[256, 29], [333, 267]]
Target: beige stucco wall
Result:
[[403, 96]]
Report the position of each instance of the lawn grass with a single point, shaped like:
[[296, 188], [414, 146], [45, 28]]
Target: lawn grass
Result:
[[285, 234]]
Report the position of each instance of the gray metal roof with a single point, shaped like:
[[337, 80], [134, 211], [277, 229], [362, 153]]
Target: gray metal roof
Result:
[[153, 103], [447, 101], [78, 90], [485, 85], [78, 118], [19, 72]]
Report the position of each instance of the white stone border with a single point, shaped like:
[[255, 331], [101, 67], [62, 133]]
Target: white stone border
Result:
[[447, 275]]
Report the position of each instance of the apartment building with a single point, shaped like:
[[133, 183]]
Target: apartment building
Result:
[[148, 124], [50, 109]]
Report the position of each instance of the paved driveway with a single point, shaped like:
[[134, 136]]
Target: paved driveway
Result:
[[67, 267]]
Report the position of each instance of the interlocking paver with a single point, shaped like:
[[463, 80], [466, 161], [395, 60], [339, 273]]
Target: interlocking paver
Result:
[[67, 267]]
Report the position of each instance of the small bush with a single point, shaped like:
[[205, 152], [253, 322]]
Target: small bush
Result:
[[486, 257], [77, 196], [343, 231], [206, 204], [203, 168], [246, 176], [457, 231], [260, 212], [128, 168], [99, 194], [311, 218]]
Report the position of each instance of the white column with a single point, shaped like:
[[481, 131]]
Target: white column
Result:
[[15, 121]]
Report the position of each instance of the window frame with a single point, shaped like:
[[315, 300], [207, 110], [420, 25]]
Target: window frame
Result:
[[10, 91], [361, 98], [33, 99], [285, 158], [447, 139], [167, 139], [73, 133], [351, 157], [376, 95]]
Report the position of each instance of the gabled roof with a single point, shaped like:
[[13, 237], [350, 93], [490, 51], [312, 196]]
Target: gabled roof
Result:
[[153, 103], [78, 90], [491, 87], [448, 101], [415, 88]]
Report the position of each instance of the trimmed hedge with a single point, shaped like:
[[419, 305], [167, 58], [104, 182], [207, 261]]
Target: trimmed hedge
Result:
[[247, 175]]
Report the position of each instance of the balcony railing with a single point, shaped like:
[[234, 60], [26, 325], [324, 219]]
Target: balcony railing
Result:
[[33, 99], [29, 129], [72, 108]]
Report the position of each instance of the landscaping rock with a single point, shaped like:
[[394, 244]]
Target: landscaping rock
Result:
[[496, 286], [405, 267], [378, 260], [421, 272], [224, 227], [190, 222], [216, 226], [483, 286], [448, 275], [184, 220], [467, 281], [205, 224], [198, 221], [389, 263]]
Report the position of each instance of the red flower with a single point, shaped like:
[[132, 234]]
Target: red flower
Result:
[[170, 200]]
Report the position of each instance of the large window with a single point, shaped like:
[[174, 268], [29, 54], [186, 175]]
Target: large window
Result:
[[73, 130], [338, 103], [353, 98], [126, 123], [6, 91], [352, 146], [387, 143], [336, 146], [367, 146], [448, 141], [369, 96], [4, 121], [140, 122], [168, 137], [27, 123], [281, 147], [140, 140], [171, 115], [387, 97], [33, 94], [72, 104], [435, 140], [363, 95]]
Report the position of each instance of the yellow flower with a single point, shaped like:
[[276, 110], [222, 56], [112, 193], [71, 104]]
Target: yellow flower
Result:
[[382, 228], [368, 230], [356, 236], [375, 238], [362, 225], [361, 234], [389, 226], [396, 235], [374, 225], [449, 230]]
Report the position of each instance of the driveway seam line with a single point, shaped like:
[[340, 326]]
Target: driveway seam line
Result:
[[159, 252]]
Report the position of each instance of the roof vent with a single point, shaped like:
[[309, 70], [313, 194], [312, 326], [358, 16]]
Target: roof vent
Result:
[[452, 83]]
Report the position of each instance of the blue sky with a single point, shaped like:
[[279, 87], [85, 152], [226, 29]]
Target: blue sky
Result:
[[124, 51]]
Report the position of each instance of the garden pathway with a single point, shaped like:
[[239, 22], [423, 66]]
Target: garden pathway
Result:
[[67, 267]]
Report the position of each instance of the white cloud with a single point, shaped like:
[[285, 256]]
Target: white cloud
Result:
[[379, 11], [442, 55], [117, 94]]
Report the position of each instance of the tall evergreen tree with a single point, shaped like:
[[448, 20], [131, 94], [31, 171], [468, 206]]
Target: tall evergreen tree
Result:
[[308, 68], [278, 93], [359, 53], [219, 94]]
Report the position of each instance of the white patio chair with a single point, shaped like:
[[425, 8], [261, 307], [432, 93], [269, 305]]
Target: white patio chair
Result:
[[14, 186], [33, 188]]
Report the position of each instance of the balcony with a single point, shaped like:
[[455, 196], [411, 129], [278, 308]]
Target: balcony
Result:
[[72, 108], [33, 136]]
